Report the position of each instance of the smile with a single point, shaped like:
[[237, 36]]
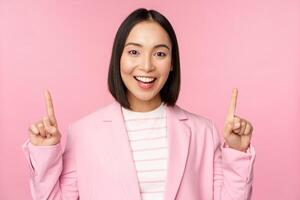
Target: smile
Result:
[[145, 79]]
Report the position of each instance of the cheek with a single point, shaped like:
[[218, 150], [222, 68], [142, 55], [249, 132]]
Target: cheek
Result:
[[164, 67], [127, 65]]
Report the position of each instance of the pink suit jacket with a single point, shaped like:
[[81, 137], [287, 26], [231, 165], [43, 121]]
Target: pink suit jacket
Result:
[[97, 162]]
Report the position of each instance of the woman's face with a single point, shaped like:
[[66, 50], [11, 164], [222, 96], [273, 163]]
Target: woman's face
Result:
[[145, 63]]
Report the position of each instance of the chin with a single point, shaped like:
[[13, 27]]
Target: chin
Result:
[[145, 97]]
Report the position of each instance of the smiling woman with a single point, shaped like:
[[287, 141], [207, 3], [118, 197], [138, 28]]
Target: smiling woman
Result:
[[146, 64], [142, 146], [145, 47]]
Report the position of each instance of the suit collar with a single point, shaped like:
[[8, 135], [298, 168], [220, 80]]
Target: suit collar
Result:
[[113, 108], [178, 147]]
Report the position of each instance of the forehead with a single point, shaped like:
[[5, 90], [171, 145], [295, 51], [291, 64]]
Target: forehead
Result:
[[148, 33]]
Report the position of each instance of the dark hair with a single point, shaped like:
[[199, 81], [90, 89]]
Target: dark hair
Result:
[[170, 91]]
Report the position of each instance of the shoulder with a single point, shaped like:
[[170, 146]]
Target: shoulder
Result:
[[201, 125], [99, 114], [194, 118]]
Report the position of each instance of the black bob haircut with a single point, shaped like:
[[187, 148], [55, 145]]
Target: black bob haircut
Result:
[[170, 91]]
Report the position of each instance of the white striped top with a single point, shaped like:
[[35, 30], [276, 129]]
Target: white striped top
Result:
[[147, 133]]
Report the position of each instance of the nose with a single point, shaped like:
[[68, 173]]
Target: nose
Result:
[[147, 64]]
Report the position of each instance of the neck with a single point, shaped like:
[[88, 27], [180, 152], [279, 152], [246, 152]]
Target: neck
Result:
[[138, 105]]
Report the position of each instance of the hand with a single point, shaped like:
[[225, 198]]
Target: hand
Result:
[[237, 131], [45, 132]]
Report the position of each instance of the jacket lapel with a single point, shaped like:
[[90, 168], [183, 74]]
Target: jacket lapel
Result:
[[122, 157], [178, 141], [178, 144]]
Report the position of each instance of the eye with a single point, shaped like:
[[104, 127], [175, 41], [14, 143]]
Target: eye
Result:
[[161, 54], [133, 52]]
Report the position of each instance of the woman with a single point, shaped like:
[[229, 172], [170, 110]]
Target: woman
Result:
[[142, 146]]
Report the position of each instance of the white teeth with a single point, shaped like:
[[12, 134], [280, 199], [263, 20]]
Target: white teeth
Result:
[[145, 79]]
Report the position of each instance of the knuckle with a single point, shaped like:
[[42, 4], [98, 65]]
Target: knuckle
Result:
[[30, 130], [250, 124]]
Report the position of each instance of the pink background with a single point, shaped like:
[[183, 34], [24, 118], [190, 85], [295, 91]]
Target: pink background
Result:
[[65, 46]]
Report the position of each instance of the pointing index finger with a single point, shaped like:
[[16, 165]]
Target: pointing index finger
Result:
[[232, 105], [50, 108]]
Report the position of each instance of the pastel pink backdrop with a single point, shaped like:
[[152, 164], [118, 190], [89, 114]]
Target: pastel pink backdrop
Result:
[[65, 46]]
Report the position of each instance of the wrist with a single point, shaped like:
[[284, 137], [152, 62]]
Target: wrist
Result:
[[236, 148]]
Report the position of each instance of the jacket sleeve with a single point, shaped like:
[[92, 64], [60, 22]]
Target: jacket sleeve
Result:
[[233, 171], [52, 171]]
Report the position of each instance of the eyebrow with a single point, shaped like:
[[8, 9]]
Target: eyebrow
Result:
[[156, 46]]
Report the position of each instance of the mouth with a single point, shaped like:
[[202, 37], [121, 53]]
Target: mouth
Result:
[[145, 79]]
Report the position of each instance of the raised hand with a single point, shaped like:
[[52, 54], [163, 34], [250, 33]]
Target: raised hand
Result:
[[45, 132], [237, 131]]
